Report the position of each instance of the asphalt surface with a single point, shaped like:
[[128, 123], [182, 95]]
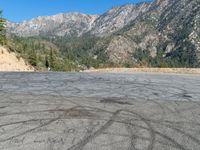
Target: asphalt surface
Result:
[[99, 111]]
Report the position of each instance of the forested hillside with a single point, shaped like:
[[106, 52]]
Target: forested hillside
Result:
[[42, 54]]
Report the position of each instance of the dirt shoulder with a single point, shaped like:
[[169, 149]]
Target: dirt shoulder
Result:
[[10, 62], [148, 70]]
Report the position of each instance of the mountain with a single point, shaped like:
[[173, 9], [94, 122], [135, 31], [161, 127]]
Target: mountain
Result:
[[168, 32], [162, 33], [71, 24], [117, 18], [77, 24]]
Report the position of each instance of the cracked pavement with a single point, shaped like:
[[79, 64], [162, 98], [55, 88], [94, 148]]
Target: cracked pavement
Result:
[[99, 111]]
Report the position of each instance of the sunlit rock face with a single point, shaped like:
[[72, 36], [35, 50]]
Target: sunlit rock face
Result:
[[117, 18]]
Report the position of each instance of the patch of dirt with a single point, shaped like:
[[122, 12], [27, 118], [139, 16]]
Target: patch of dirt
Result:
[[10, 62]]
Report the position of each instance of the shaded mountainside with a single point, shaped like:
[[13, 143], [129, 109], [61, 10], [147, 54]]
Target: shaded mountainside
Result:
[[162, 33]]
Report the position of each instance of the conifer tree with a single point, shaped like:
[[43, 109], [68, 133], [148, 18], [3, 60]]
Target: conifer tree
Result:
[[52, 59], [46, 62], [2, 29], [33, 60]]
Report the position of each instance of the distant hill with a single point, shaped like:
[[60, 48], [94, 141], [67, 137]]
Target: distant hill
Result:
[[162, 33]]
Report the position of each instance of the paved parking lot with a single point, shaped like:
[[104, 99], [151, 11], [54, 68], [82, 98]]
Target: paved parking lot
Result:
[[99, 111]]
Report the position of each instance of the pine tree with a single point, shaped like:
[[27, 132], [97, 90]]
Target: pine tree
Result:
[[46, 62], [2, 29], [33, 58], [52, 59]]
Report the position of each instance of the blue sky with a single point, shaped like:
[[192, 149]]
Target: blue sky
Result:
[[19, 10]]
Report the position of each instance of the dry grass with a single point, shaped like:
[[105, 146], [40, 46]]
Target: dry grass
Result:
[[148, 70]]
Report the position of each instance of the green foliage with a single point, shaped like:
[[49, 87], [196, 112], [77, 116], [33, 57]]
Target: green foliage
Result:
[[2, 29], [78, 49], [33, 60], [183, 56], [52, 59], [142, 57], [41, 54], [47, 65]]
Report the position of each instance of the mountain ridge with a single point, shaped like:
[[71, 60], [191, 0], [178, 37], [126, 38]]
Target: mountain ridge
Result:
[[49, 24], [115, 18]]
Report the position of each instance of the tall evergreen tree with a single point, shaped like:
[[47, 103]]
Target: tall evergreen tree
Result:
[[33, 60], [52, 59], [2, 29], [46, 62]]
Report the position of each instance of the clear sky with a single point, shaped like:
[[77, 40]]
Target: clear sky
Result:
[[19, 10]]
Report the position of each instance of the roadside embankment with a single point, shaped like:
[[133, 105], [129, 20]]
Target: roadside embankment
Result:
[[10, 62]]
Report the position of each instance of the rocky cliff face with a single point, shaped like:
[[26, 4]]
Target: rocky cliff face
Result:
[[117, 18]]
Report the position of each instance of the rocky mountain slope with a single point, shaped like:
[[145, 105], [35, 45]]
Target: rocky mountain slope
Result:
[[117, 18], [170, 30], [58, 25], [76, 24], [162, 33]]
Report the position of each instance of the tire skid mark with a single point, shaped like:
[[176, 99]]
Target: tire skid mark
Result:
[[38, 127], [162, 108], [197, 141], [30, 130], [84, 141], [149, 128], [177, 145], [132, 137], [32, 112], [25, 121]]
